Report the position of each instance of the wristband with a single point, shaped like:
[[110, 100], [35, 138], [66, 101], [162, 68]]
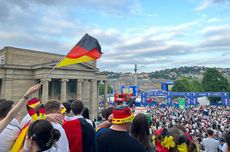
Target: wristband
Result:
[[26, 97]]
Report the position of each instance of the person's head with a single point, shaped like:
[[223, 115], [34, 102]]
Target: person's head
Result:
[[5, 107], [77, 107], [42, 136], [210, 133], [180, 127], [140, 129], [178, 135], [122, 117], [52, 106], [107, 112], [67, 105], [85, 113]]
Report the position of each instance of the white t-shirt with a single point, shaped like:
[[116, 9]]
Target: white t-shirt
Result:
[[211, 145], [62, 144], [25, 120], [9, 135], [224, 147]]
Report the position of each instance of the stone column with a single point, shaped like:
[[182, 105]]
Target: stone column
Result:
[[45, 90], [36, 94], [64, 90], [93, 99], [106, 93], [52, 96], [98, 95], [7, 88], [79, 89]]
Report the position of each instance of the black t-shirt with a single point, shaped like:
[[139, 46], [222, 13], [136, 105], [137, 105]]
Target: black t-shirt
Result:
[[118, 141]]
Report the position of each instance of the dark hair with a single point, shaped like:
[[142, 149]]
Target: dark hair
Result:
[[178, 135], [107, 112], [67, 105], [85, 113], [51, 106], [77, 107], [5, 107], [210, 132], [140, 130], [180, 127], [43, 134]]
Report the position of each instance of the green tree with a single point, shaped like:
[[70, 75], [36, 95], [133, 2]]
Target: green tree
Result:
[[214, 81], [196, 86], [182, 85], [102, 88]]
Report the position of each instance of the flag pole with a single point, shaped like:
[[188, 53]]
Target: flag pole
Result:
[[46, 76]]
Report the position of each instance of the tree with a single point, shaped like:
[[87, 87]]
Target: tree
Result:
[[182, 85], [102, 88], [187, 85], [214, 81], [196, 86]]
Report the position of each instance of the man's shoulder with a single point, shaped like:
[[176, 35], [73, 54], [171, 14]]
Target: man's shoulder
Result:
[[85, 123], [210, 140], [71, 122], [57, 126]]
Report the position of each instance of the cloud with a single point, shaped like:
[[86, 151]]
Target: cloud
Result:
[[207, 3], [216, 38], [116, 8], [213, 20], [48, 25], [216, 30], [146, 49]]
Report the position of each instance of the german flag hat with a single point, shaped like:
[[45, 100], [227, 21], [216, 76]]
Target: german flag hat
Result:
[[122, 115]]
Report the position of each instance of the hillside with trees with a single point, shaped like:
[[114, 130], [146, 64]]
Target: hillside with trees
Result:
[[194, 72]]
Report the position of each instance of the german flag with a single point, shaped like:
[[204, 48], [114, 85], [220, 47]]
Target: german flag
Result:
[[42, 112], [86, 49], [33, 102], [81, 135], [32, 113], [18, 145]]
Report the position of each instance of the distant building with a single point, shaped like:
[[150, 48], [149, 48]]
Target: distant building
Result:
[[144, 84], [21, 68]]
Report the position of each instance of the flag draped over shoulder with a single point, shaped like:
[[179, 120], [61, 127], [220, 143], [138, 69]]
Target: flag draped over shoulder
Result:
[[86, 49], [80, 134], [36, 111]]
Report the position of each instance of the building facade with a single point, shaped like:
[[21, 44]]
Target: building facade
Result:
[[22, 68]]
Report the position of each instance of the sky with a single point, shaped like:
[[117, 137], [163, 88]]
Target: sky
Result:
[[153, 34]]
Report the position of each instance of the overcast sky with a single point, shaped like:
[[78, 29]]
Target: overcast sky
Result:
[[154, 34]]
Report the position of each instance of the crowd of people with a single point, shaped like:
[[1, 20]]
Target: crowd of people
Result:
[[199, 122], [61, 127]]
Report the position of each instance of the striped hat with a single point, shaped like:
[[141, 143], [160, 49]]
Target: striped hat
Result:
[[122, 115], [36, 109]]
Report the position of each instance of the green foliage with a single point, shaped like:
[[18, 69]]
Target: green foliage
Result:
[[102, 88], [187, 85], [181, 85], [214, 81], [196, 86]]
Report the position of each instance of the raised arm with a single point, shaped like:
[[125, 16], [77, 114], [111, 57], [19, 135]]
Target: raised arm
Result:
[[14, 111]]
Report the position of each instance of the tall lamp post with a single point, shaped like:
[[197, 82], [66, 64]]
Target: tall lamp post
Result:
[[135, 70]]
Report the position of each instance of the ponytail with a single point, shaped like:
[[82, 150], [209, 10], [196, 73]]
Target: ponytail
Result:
[[44, 135]]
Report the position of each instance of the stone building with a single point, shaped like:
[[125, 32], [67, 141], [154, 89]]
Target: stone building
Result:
[[21, 68]]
